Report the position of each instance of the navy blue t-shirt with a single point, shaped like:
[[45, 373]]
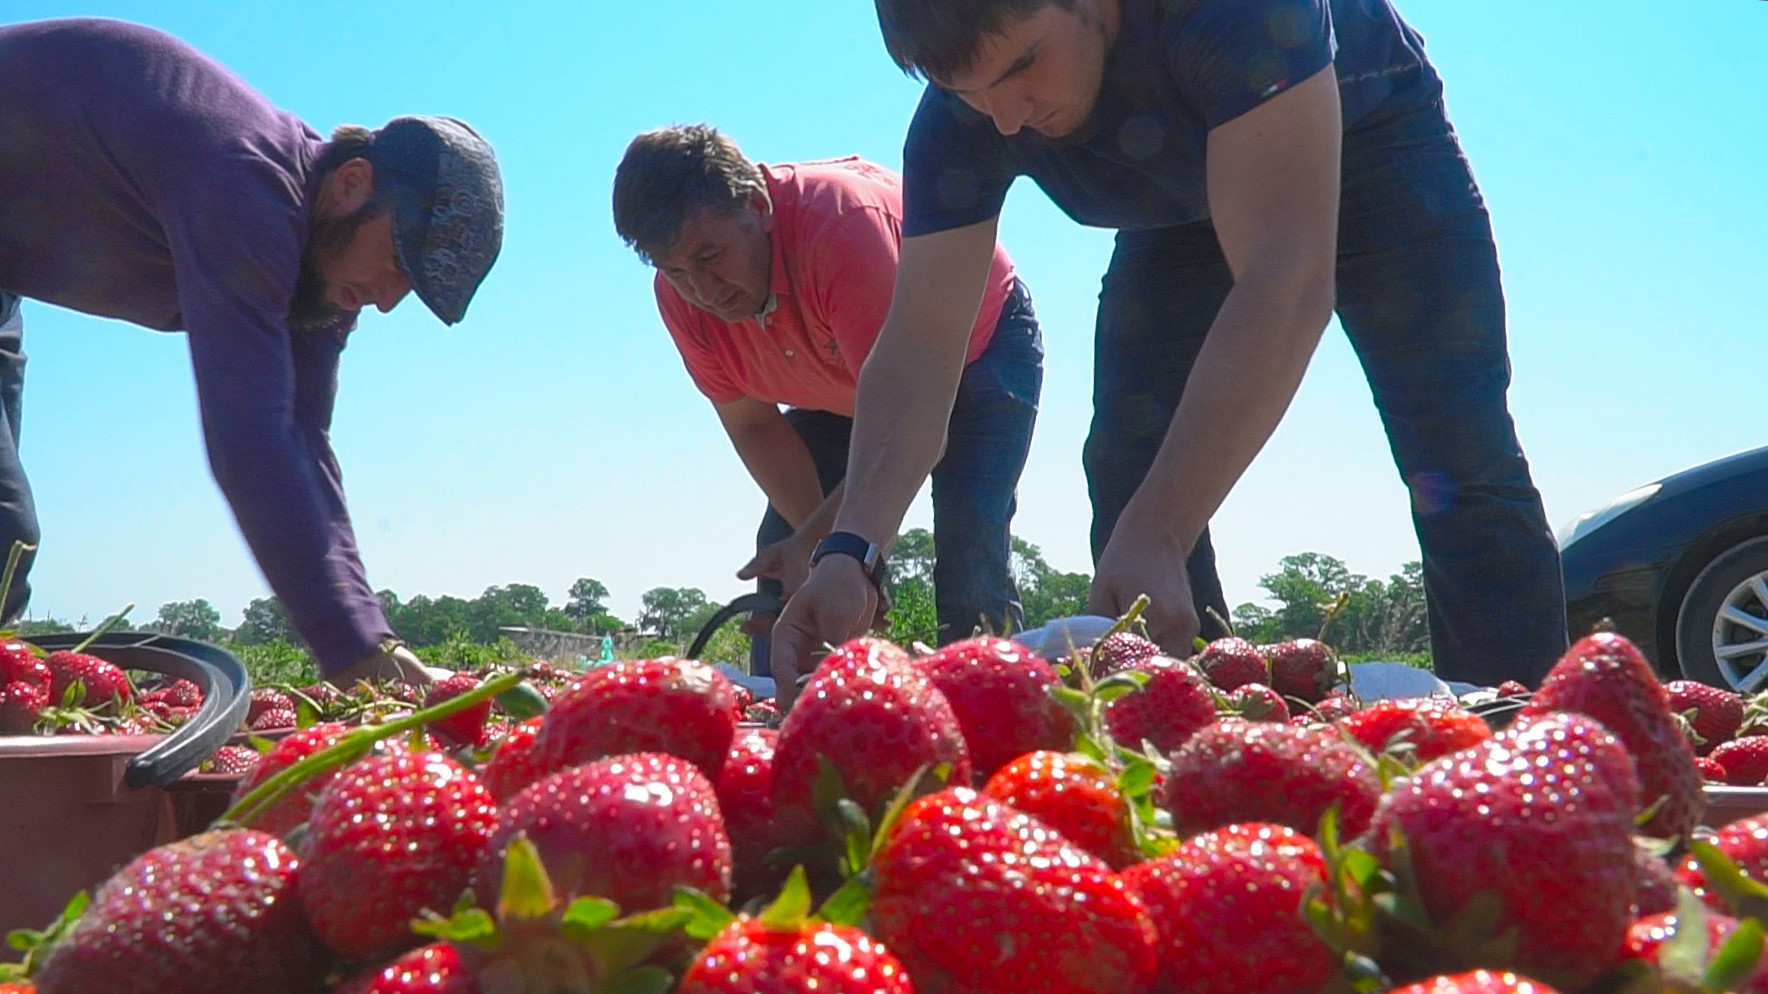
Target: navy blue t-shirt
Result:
[[1177, 69]]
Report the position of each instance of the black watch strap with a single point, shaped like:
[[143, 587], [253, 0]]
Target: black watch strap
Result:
[[848, 544]]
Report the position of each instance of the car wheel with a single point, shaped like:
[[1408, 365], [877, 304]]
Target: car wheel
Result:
[[1722, 628]]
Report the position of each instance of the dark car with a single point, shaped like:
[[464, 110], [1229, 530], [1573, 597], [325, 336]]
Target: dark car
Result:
[[1681, 567]]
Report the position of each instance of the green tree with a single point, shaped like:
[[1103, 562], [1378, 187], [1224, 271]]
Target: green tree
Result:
[[264, 622], [1045, 592], [664, 610], [196, 619], [586, 599]]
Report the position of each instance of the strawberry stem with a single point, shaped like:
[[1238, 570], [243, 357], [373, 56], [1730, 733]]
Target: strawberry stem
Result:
[[12, 559], [108, 624], [352, 746]]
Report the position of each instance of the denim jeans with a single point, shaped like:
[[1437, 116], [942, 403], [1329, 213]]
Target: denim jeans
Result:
[[974, 485], [18, 513], [1420, 299]]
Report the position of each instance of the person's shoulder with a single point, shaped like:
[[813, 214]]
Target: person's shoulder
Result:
[[821, 192]]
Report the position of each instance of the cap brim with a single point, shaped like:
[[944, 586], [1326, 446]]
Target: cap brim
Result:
[[409, 225]]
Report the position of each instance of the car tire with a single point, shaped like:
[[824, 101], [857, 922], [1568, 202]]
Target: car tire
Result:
[[1733, 585]]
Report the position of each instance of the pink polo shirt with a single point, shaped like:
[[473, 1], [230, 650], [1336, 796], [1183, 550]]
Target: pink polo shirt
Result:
[[837, 228]]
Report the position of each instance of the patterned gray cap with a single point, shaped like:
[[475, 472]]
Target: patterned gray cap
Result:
[[447, 207]]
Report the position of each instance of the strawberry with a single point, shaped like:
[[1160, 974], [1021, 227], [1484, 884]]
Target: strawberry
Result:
[[1429, 727], [1657, 883], [1717, 712], [1233, 662], [1745, 843], [1477, 982], [178, 693], [234, 761], [1605, 677], [678, 706], [389, 837], [1646, 938], [1242, 771], [1000, 694], [1074, 795], [104, 683], [1334, 706], [1530, 816], [21, 706], [876, 718], [1303, 669], [1174, 703], [265, 699], [323, 695], [213, 914], [1257, 702], [463, 728], [975, 896], [18, 664], [1744, 760], [745, 798], [626, 828], [1118, 650], [1513, 688], [432, 969], [1711, 770], [514, 765], [761, 956], [274, 719], [1230, 898]]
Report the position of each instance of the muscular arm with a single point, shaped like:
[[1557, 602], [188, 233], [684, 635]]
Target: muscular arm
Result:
[[775, 456]]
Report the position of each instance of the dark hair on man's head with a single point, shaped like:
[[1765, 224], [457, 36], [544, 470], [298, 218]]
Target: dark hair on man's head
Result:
[[669, 174], [937, 39], [348, 141]]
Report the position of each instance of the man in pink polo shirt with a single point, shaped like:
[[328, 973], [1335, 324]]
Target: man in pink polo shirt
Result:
[[773, 280]]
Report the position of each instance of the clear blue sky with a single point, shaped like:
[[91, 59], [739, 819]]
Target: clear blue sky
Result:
[[554, 434]]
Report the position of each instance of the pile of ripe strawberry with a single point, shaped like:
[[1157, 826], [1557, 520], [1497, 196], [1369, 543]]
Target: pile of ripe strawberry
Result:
[[973, 820]]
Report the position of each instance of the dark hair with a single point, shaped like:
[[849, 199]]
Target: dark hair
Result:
[[668, 174], [348, 141], [937, 39]]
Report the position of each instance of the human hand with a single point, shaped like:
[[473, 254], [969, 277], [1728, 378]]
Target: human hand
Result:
[[836, 603], [394, 662], [1137, 562], [787, 561]]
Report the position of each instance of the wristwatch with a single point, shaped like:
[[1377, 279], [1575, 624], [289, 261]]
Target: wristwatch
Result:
[[848, 544]]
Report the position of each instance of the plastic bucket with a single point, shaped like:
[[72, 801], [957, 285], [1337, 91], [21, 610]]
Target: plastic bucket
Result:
[[74, 808]]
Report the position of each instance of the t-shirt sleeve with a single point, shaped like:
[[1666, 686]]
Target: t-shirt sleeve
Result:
[[955, 165], [704, 366], [853, 273], [265, 396], [1232, 55]]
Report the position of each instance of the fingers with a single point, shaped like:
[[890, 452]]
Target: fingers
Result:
[[789, 646], [753, 568]]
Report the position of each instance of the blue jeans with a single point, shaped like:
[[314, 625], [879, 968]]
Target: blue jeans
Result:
[[974, 485], [18, 513], [1420, 299]]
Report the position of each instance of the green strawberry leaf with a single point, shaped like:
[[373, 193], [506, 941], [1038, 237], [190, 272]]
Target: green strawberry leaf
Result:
[[709, 916], [522, 702], [644, 980], [473, 927], [1118, 684], [527, 892], [1737, 960], [1076, 701], [858, 834], [1747, 897], [849, 904], [587, 915], [893, 811], [792, 907], [1090, 747], [1136, 779], [1684, 955]]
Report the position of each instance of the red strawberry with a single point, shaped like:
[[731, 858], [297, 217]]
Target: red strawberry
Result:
[[21, 705], [1711, 770], [752, 956], [1744, 760], [745, 798], [182, 694], [1257, 702], [1605, 677], [273, 719], [282, 817], [323, 695], [19, 661], [974, 896], [1233, 662], [1646, 938], [1477, 982], [515, 764], [626, 828], [1230, 898], [1118, 650], [1513, 688], [1530, 816], [1241, 771], [463, 728], [1429, 727], [1745, 843], [1174, 703], [1657, 883], [1718, 713], [104, 683], [1303, 668], [1073, 795], [214, 914], [678, 706], [876, 718], [1334, 706], [390, 837], [432, 969], [264, 700], [1000, 694], [235, 761]]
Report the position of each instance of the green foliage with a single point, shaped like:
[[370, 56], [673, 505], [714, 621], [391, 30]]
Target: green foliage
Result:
[[276, 662], [196, 619], [666, 611], [45, 626], [1382, 619], [1047, 593], [265, 622]]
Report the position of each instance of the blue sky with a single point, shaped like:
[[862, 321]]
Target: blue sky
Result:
[[554, 434]]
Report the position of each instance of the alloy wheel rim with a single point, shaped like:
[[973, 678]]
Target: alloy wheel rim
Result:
[[1740, 635]]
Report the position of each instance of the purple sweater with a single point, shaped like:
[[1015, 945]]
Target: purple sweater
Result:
[[141, 180]]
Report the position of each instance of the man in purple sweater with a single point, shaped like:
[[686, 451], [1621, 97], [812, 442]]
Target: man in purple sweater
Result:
[[141, 180]]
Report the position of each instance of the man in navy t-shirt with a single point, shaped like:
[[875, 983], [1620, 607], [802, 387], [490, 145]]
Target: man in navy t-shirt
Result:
[[142, 181], [1265, 163]]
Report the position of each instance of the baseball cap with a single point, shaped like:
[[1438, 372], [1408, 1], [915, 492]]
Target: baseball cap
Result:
[[447, 198]]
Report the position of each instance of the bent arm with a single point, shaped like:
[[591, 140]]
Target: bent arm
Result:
[[775, 456]]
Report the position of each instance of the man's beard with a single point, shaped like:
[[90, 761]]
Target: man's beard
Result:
[[308, 310]]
